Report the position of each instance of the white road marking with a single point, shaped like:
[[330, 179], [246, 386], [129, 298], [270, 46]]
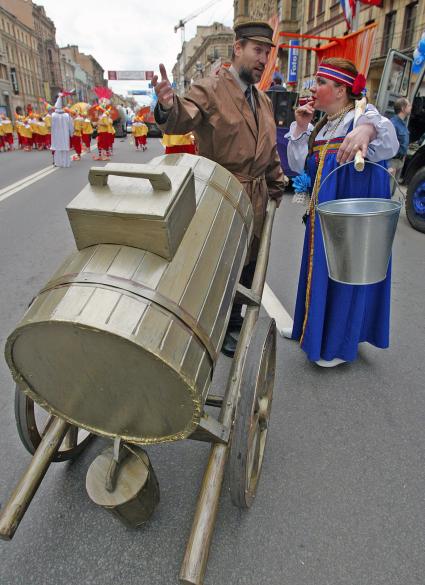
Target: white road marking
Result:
[[27, 181], [275, 309]]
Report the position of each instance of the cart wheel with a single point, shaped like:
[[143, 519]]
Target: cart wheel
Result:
[[30, 418], [252, 414]]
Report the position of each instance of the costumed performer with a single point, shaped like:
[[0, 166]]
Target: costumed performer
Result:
[[331, 319], [18, 130], [26, 133], [76, 137], [102, 135], [48, 122], [42, 133], [8, 132], [2, 140], [62, 130], [33, 122], [139, 131], [86, 132], [175, 143]]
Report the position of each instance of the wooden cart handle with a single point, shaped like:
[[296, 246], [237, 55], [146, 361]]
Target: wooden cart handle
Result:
[[98, 176]]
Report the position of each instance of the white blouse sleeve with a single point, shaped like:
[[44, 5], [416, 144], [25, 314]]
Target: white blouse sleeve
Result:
[[297, 147], [385, 145]]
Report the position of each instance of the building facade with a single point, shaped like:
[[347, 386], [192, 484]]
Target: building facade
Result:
[[20, 44], [400, 25], [48, 51], [6, 89], [214, 51], [87, 72], [180, 72]]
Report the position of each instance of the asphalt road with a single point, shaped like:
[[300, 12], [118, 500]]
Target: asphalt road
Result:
[[341, 499]]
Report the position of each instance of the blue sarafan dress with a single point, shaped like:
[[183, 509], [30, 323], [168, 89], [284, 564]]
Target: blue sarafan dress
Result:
[[331, 319]]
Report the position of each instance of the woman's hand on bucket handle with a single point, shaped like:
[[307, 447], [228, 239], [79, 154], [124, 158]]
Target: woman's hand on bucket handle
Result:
[[357, 139]]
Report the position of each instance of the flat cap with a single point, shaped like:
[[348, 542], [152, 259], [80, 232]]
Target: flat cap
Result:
[[258, 31]]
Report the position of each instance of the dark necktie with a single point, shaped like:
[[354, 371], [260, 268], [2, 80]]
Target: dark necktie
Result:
[[249, 97]]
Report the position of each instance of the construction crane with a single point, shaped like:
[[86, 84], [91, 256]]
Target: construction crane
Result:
[[181, 25], [191, 17]]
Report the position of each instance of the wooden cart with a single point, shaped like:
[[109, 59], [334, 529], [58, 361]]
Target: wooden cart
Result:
[[239, 432]]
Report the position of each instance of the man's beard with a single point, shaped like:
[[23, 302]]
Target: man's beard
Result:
[[246, 75]]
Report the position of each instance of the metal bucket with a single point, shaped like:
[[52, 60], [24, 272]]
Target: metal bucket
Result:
[[358, 235]]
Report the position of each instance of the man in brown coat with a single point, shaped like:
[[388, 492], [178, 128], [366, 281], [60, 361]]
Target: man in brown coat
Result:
[[233, 124]]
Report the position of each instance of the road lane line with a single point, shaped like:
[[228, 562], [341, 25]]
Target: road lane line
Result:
[[30, 179], [275, 309], [26, 182]]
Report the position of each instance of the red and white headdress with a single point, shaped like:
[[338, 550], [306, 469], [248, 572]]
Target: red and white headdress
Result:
[[357, 83]]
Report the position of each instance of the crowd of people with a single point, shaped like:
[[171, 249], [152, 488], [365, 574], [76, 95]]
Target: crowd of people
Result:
[[33, 131]]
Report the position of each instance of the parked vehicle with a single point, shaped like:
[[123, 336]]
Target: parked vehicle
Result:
[[395, 83]]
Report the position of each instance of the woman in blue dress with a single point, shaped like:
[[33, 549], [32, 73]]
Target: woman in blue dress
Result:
[[331, 319]]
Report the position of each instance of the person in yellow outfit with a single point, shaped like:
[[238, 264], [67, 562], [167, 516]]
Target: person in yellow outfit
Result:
[[103, 140], [86, 132], [175, 143], [2, 140], [76, 137], [48, 122], [8, 133], [111, 133], [7, 128], [42, 133], [33, 122], [140, 132], [26, 133], [18, 130]]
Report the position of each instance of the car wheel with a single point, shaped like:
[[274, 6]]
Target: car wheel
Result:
[[415, 201]]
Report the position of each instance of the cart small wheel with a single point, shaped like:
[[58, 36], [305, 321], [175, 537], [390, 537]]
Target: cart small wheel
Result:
[[32, 421], [253, 413]]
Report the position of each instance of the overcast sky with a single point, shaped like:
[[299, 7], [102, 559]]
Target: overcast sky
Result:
[[131, 34]]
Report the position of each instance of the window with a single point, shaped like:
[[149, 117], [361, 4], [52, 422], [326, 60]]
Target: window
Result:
[[229, 51], [294, 9], [3, 71], [320, 6], [410, 16], [307, 63], [246, 8], [311, 9]]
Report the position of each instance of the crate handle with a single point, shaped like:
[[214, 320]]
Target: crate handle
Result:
[[98, 176]]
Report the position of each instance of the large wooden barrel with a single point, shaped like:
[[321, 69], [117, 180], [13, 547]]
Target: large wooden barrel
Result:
[[122, 341]]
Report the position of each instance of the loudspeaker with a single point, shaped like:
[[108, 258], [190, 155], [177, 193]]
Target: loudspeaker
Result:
[[283, 106]]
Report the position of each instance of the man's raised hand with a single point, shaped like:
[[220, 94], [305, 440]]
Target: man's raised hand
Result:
[[163, 88]]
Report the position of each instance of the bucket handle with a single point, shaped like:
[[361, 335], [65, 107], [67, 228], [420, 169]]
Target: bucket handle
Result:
[[366, 162]]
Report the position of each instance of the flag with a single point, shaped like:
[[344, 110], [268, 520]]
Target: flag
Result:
[[349, 9], [372, 2]]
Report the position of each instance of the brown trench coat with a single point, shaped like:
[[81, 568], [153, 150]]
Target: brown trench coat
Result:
[[219, 115]]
